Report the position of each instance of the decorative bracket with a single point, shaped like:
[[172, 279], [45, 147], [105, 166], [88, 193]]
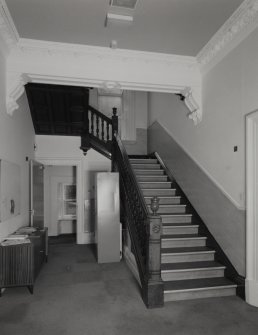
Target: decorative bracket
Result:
[[195, 111], [15, 88]]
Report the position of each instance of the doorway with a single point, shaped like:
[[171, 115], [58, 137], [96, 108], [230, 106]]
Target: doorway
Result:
[[60, 200], [252, 208], [72, 167]]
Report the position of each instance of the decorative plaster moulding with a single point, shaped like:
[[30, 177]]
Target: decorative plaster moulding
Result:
[[54, 53], [30, 46], [8, 30], [241, 23]]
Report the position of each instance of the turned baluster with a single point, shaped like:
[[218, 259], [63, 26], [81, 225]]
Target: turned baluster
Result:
[[92, 124], [97, 125], [107, 129], [102, 129]]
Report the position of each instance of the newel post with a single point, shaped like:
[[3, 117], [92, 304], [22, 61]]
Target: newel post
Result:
[[85, 138], [114, 131], [114, 121], [153, 292]]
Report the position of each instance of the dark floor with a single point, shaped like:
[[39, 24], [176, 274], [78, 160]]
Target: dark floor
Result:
[[74, 295]]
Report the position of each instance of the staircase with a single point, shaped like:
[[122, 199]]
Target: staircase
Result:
[[188, 266]]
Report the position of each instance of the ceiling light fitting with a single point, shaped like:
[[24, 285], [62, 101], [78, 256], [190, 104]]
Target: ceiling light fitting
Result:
[[130, 4], [111, 17]]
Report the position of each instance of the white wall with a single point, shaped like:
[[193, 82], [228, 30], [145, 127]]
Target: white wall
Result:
[[229, 92], [16, 142], [58, 149], [141, 109]]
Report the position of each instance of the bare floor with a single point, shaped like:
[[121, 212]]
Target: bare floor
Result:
[[74, 295]]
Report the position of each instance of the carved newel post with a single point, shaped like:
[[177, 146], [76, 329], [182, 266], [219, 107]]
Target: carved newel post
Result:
[[114, 131], [154, 290], [114, 121]]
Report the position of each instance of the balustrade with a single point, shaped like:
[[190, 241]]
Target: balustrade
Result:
[[101, 133]]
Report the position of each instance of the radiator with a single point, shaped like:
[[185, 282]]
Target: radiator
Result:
[[16, 265]]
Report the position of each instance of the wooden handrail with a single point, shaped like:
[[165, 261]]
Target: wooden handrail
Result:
[[101, 115], [132, 175]]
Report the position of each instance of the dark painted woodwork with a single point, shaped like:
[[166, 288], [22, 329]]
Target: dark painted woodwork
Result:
[[230, 271], [144, 229], [57, 109]]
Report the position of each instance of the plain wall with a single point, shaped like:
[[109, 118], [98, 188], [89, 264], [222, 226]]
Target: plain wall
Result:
[[229, 93], [16, 143]]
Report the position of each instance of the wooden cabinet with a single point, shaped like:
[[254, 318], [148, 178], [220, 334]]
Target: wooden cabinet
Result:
[[20, 264]]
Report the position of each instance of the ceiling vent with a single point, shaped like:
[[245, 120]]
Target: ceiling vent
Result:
[[130, 4]]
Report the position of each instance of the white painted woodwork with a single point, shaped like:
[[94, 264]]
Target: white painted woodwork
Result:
[[252, 208]]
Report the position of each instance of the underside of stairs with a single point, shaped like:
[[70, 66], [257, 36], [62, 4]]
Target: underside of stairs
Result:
[[189, 266]]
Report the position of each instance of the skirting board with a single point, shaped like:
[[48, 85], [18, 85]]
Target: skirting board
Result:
[[131, 263]]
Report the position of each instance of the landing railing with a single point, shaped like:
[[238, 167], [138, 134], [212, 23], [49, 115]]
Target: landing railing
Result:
[[101, 133], [98, 130]]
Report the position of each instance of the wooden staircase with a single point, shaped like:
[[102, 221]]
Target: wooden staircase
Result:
[[189, 267]]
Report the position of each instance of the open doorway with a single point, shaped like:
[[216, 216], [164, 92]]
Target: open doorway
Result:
[[62, 191], [60, 199]]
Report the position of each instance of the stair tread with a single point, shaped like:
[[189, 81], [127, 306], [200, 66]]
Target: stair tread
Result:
[[186, 250], [183, 236], [164, 197], [175, 214], [170, 205], [203, 283], [155, 182], [180, 225], [155, 189], [191, 265]]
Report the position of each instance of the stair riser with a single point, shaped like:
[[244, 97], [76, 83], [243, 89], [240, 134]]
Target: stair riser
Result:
[[179, 230], [180, 258], [176, 219], [165, 185], [153, 193], [183, 243], [146, 166], [152, 178], [170, 210], [143, 161], [207, 293], [148, 172], [192, 274], [165, 201]]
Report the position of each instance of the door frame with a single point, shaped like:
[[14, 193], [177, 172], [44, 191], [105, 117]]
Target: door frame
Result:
[[80, 238], [251, 208]]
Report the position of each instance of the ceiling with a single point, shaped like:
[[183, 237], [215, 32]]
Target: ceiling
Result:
[[180, 27]]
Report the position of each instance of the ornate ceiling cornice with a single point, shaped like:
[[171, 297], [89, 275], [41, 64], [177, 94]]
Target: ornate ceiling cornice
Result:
[[7, 28], [244, 18], [48, 48]]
